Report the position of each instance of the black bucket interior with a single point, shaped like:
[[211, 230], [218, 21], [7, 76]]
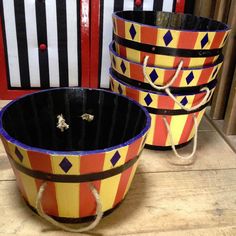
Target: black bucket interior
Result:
[[32, 120], [172, 20]]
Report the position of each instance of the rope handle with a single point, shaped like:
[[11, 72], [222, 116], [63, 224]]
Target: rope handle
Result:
[[172, 141], [205, 100], [98, 218]]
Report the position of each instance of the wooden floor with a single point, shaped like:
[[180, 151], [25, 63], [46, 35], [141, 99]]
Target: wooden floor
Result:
[[164, 200]]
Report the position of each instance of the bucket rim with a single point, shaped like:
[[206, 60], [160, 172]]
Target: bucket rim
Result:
[[18, 143], [226, 27]]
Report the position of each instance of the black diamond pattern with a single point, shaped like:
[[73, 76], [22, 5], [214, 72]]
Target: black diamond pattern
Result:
[[18, 154], [167, 38], [148, 99], [132, 31], [123, 67], [184, 101], [120, 89], [204, 40], [115, 158], [153, 75], [190, 77], [65, 165]]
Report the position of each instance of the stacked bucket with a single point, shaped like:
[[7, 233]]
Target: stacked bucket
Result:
[[169, 63]]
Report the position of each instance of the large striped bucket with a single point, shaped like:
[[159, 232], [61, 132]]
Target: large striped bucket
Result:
[[188, 78], [181, 123], [98, 143], [168, 38]]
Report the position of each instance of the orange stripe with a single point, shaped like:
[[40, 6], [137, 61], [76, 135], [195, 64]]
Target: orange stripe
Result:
[[122, 51], [187, 40], [120, 27], [124, 179], [42, 162], [151, 59], [169, 74], [160, 134], [187, 129], [133, 150], [132, 94], [209, 61], [136, 72], [165, 102], [49, 200], [219, 36], [148, 35], [205, 75], [89, 164]]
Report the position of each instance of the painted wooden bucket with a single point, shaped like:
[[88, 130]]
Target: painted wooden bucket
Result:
[[100, 146], [168, 38], [189, 79], [182, 124]]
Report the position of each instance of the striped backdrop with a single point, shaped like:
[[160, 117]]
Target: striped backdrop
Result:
[[44, 41], [102, 24]]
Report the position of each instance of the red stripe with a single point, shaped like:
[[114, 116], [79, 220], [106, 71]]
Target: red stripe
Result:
[[187, 40], [136, 72], [180, 6], [122, 50], [169, 74], [217, 40], [89, 164], [151, 59], [94, 44], [124, 179], [5, 93], [42, 162], [205, 75], [120, 26], [148, 35], [165, 102], [133, 149], [132, 93], [160, 133], [177, 60], [85, 39], [187, 129], [209, 60]]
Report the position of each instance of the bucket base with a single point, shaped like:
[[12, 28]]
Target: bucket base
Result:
[[67, 220], [166, 148]]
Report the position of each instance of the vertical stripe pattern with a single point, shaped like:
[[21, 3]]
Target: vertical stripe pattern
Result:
[[42, 43]]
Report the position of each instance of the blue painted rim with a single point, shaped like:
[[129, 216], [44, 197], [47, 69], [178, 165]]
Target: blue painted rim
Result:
[[114, 14], [71, 153]]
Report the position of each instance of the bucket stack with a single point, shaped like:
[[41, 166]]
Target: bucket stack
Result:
[[168, 62]]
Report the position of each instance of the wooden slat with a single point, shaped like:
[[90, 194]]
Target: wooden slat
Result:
[[164, 203], [221, 96], [230, 115]]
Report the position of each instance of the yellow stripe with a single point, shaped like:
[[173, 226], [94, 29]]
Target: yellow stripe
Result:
[[128, 25], [160, 38], [195, 62], [30, 188], [165, 61], [74, 160], [133, 55], [108, 191], [154, 97], [151, 132], [109, 155], [199, 118], [222, 42], [176, 127], [199, 39], [186, 73], [131, 177], [68, 199], [211, 36]]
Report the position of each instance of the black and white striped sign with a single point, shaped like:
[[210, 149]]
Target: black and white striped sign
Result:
[[42, 42]]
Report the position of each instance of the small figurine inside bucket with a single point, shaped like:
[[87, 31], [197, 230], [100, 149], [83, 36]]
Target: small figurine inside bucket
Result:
[[74, 151]]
